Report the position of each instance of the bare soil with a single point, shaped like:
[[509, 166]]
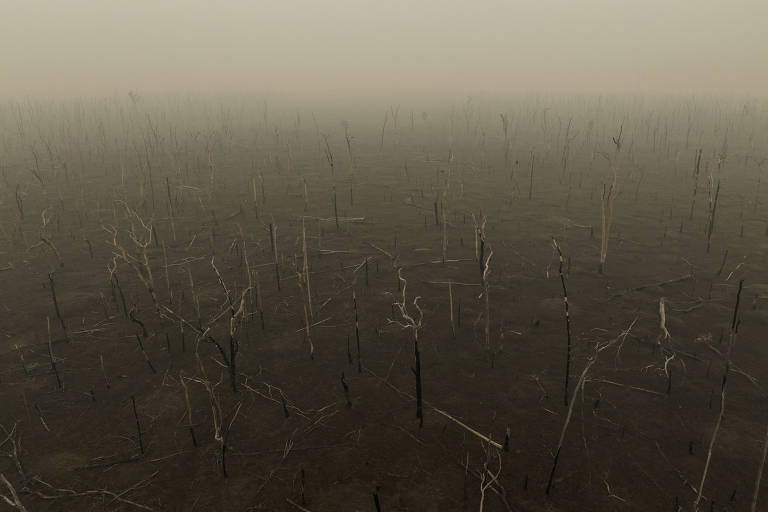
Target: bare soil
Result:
[[636, 440]]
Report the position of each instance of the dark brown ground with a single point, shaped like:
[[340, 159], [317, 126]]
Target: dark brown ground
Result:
[[630, 445]]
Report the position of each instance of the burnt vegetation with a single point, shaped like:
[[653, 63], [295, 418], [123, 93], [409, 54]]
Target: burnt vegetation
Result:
[[542, 303]]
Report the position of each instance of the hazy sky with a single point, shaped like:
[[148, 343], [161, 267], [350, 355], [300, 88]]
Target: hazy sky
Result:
[[360, 47]]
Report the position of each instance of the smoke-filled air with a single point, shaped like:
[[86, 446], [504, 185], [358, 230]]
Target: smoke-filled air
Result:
[[363, 256]]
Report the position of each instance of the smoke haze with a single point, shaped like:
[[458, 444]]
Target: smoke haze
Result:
[[344, 48]]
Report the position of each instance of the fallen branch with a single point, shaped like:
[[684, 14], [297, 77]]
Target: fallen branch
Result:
[[13, 499], [619, 384], [441, 412], [67, 493], [686, 277], [303, 509]]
